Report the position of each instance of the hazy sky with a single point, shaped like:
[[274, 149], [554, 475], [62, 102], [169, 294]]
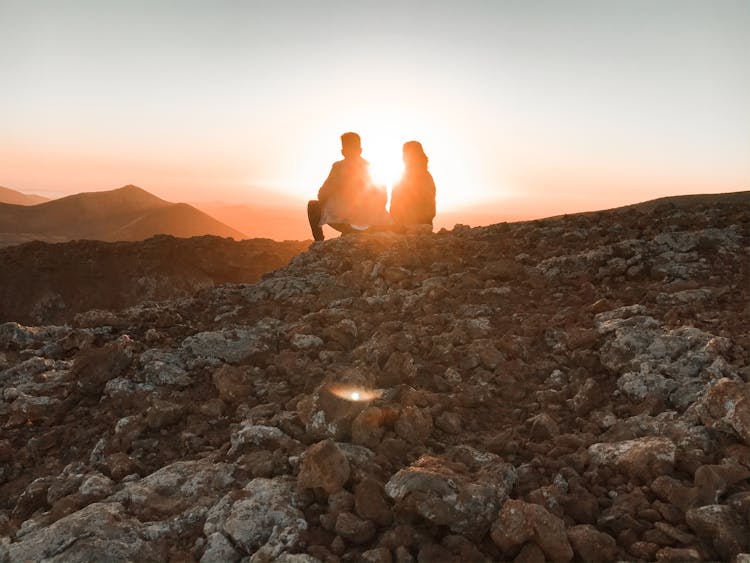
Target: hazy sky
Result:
[[566, 105]]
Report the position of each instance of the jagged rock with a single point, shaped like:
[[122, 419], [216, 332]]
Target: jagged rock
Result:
[[414, 425], [447, 494], [354, 529], [324, 466], [370, 503], [722, 526], [266, 521], [589, 544], [602, 358], [234, 345], [218, 549], [726, 406], [378, 555], [250, 435], [175, 488], [642, 459], [654, 362], [100, 531], [520, 522]]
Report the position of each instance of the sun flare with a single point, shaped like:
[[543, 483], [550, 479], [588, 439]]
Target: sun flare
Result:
[[383, 134]]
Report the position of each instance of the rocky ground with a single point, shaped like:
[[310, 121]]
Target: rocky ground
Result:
[[570, 388], [42, 283]]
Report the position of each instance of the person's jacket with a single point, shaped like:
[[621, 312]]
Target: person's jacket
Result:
[[350, 196], [413, 198]]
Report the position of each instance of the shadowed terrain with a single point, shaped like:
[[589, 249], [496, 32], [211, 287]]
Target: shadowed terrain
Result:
[[127, 213], [50, 283], [573, 388]]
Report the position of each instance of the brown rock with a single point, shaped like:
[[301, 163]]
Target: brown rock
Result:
[[712, 481], [589, 544], [726, 406], [644, 550], [674, 492], [163, 413], [120, 465], [370, 503], [233, 383], [435, 553], [414, 425], [722, 526], [354, 529], [324, 466], [530, 553], [377, 555], [642, 459], [519, 522], [367, 427], [542, 427], [403, 555], [449, 422], [678, 555]]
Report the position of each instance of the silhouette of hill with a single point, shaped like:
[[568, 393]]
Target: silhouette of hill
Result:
[[569, 388], [18, 198], [127, 213]]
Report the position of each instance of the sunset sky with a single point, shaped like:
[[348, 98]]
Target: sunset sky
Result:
[[533, 106]]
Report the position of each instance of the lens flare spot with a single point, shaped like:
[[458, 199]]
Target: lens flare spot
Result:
[[355, 394]]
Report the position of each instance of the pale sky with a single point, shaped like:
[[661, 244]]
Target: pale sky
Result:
[[566, 105]]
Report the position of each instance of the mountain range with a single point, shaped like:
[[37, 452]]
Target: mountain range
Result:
[[125, 214], [19, 198]]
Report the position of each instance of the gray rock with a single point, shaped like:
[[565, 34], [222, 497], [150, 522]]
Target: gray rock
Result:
[[98, 532], [464, 503], [219, 549], [234, 345], [266, 521]]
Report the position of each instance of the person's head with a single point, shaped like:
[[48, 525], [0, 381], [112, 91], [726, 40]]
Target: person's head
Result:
[[351, 144], [414, 156]]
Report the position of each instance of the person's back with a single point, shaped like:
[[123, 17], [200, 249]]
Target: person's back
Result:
[[413, 197], [348, 199]]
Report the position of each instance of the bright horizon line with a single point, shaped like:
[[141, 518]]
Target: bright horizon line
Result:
[[289, 201]]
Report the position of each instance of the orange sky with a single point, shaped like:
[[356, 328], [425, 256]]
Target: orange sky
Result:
[[523, 108]]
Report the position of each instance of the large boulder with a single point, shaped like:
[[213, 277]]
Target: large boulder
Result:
[[726, 407], [266, 522], [642, 459], [520, 522], [102, 531], [444, 490]]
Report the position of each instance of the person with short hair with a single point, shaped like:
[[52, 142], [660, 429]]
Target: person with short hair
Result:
[[348, 200], [413, 196]]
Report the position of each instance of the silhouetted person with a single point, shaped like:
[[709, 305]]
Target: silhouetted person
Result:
[[348, 200], [413, 197]]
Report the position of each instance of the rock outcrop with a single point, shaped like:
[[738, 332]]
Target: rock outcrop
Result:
[[44, 283], [575, 388]]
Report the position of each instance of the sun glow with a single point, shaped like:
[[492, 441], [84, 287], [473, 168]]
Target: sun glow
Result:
[[383, 132]]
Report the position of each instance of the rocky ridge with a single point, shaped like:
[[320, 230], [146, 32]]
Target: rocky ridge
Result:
[[570, 388], [45, 283]]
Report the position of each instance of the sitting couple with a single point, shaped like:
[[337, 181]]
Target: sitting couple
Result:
[[349, 200]]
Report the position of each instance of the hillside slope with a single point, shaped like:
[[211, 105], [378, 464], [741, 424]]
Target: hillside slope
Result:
[[50, 283], [19, 198], [127, 213], [569, 388]]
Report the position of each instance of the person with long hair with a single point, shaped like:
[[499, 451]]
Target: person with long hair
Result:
[[413, 196]]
